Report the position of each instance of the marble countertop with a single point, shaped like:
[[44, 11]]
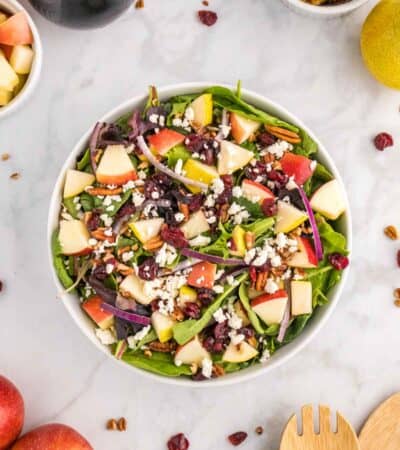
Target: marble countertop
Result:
[[311, 67]]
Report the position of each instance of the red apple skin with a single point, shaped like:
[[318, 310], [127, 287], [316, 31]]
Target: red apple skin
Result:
[[53, 436], [297, 166], [12, 413], [310, 251], [268, 297]]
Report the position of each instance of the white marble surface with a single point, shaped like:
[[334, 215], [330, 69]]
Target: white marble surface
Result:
[[311, 67]]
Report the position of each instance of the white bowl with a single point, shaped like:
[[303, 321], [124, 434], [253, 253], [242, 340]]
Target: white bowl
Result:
[[324, 12], [12, 6], [72, 304]]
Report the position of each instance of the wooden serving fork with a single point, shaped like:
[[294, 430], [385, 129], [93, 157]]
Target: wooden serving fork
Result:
[[343, 439]]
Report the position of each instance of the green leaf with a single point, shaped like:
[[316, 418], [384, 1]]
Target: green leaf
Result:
[[220, 246], [176, 153], [159, 363], [261, 226], [184, 331], [84, 161], [117, 205], [58, 262], [273, 330], [320, 176], [71, 207], [296, 327], [307, 146], [253, 208], [87, 202], [122, 122], [179, 105], [250, 313], [332, 240], [152, 99]]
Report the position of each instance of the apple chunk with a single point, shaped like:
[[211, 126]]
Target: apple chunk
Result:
[[134, 287], [297, 166], [196, 225], [162, 325], [163, 141], [202, 108], [328, 200], [305, 258], [256, 192], [16, 30], [301, 295], [115, 166], [76, 182], [74, 237], [92, 307], [8, 78], [202, 275], [239, 353], [146, 229], [195, 170], [21, 59], [232, 157], [192, 352], [288, 217], [242, 128], [270, 307]]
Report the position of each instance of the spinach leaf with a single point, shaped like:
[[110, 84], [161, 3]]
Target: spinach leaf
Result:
[[179, 105], [58, 263], [184, 331], [176, 153], [220, 246], [273, 330], [260, 226], [296, 327], [150, 337], [117, 205], [307, 146], [332, 240], [159, 363], [87, 201], [227, 99], [320, 176], [250, 313], [253, 208], [84, 161], [71, 207], [122, 122]]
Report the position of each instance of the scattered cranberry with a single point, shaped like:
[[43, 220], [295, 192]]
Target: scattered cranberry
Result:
[[278, 176], [178, 442], [269, 207], [127, 210], [208, 343], [174, 236], [338, 261], [237, 438], [256, 172], [383, 140], [266, 139], [1, 285], [196, 201], [219, 346], [148, 269], [162, 179], [221, 330], [192, 310], [205, 296], [94, 221], [154, 305], [198, 376], [253, 273], [398, 258], [194, 143], [100, 272], [207, 17], [152, 190], [247, 332]]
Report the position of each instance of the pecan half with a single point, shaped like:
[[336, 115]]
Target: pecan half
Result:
[[100, 236], [282, 133], [391, 232], [104, 191], [163, 347], [153, 244]]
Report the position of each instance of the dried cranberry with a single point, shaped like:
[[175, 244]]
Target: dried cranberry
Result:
[[126, 210], [278, 176], [94, 221], [196, 201], [205, 296], [154, 305], [253, 274], [100, 272], [221, 330], [256, 172], [174, 236], [208, 343], [226, 194], [208, 156], [178, 442], [398, 258], [269, 207], [237, 438], [383, 140], [194, 143], [266, 139], [162, 180], [1, 285], [219, 346], [338, 261], [192, 310], [152, 190], [148, 269], [247, 332], [207, 17]]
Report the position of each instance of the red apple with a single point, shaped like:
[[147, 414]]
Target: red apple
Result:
[[165, 140], [115, 166], [270, 307], [12, 413], [202, 275], [53, 436], [242, 128], [305, 258], [74, 238], [297, 166], [16, 30], [256, 192], [92, 306]]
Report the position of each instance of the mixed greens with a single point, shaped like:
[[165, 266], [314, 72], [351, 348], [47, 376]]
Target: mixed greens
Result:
[[200, 234]]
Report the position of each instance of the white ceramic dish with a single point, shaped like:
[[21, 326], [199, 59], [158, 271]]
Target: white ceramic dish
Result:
[[12, 6], [84, 323], [324, 12]]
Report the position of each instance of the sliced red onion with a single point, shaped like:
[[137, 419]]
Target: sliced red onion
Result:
[[125, 315], [317, 239], [286, 316], [93, 144], [153, 160], [189, 253]]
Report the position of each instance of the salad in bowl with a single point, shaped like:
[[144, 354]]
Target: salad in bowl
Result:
[[199, 234]]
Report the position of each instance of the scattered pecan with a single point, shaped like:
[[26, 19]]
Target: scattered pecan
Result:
[[223, 212], [397, 302], [100, 236], [162, 347], [15, 176], [249, 239], [177, 314], [104, 191], [111, 424], [139, 4], [252, 341], [259, 430], [205, 2], [5, 156], [124, 269], [391, 232], [122, 250], [121, 424], [217, 371], [282, 133], [261, 280], [184, 209], [153, 244], [147, 353], [396, 293]]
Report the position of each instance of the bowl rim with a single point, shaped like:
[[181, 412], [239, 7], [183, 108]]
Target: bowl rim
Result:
[[326, 11], [14, 6], [84, 323]]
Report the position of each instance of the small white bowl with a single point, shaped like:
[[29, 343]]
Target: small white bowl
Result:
[[86, 325], [12, 7], [324, 12]]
